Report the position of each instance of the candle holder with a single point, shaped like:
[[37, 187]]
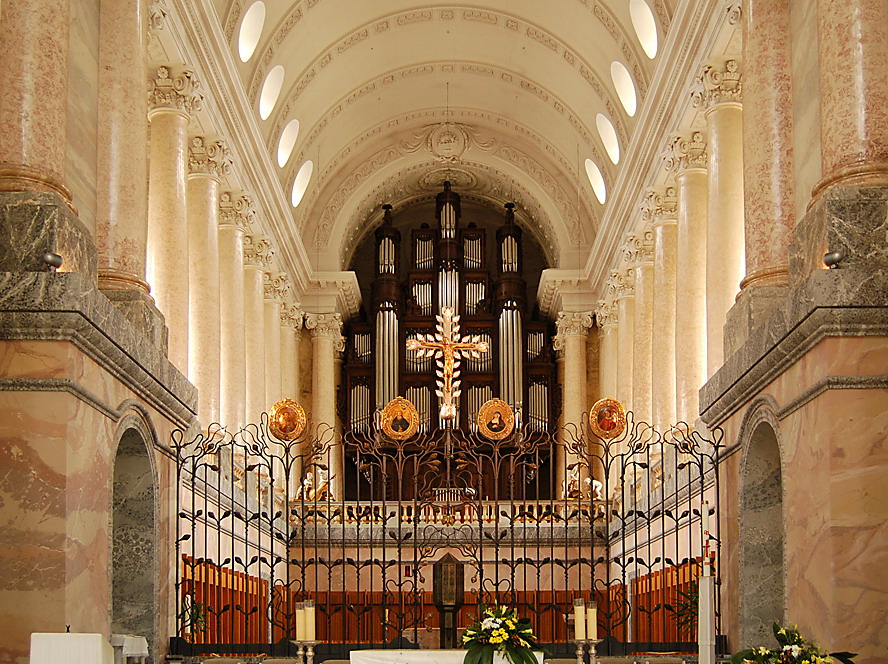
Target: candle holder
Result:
[[305, 654], [581, 649]]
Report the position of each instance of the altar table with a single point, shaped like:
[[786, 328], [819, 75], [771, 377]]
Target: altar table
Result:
[[417, 657]]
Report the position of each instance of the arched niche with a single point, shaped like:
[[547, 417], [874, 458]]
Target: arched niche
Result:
[[762, 581], [134, 539]]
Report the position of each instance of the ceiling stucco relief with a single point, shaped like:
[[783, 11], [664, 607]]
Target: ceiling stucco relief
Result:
[[457, 139], [590, 138], [514, 24]]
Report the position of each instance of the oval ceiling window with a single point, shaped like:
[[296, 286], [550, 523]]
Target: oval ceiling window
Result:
[[596, 179], [300, 184], [608, 137], [645, 26], [251, 31], [625, 86], [287, 142], [271, 89]]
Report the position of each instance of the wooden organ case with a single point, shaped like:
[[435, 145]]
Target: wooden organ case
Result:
[[450, 264]]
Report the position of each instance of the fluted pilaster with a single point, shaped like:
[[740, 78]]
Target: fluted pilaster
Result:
[[277, 290], [257, 258], [639, 255]]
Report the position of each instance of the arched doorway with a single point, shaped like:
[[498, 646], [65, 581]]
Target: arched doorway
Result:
[[762, 576], [133, 540]]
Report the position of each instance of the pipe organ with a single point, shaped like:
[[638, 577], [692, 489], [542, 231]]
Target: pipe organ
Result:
[[478, 268]]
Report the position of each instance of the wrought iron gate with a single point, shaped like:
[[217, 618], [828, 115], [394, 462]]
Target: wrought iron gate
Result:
[[259, 530]]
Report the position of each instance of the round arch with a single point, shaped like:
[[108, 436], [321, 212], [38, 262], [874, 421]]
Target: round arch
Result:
[[762, 581], [134, 543]]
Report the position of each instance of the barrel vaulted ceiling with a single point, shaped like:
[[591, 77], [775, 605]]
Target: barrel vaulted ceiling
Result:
[[508, 99]]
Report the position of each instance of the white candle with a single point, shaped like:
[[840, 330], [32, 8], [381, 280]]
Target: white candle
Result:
[[300, 622], [579, 620], [704, 521], [592, 622], [310, 633]]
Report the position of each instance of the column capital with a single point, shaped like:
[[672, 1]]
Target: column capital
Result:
[[208, 156], [623, 283], [718, 84], [660, 206], [573, 323], [686, 151], [236, 209], [606, 313], [292, 316], [639, 247], [258, 251], [276, 285], [174, 90], [326, 326]]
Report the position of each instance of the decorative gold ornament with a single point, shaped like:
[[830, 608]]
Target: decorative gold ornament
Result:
[[495, 419], [287, 420], [400, 420], [448, 347], [607, 418]]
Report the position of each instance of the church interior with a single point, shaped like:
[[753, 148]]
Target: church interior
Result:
[[325, 324]]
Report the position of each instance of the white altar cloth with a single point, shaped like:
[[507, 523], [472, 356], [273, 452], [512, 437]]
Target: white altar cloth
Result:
[[417, 657]]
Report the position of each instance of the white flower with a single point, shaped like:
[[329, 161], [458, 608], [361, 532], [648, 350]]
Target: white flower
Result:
[[763, 651], [491, 623]]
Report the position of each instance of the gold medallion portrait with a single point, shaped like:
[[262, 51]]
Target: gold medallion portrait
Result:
[[287, 420], [495, 419], [607, 418], [400, 419]]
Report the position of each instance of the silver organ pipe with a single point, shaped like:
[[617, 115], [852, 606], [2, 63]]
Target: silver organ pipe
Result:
[[510, 355], [386, 356], [386, 256], [510, 254], [422, 293], [360, 412], [475, 292], [485, 361], [448, 290], [425, 254], [362, 347], [448, 221], [472, 248], [538, 409], [477, 396], [418, 365], [535, 341], [421, 398]]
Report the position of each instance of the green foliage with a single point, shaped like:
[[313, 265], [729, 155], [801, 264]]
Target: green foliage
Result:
[[500, 630], [792, 649], [687, 609], [193, 616]]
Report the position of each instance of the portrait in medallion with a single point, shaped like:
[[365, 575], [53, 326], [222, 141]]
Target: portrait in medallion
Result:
[[286, 420], [400, 420], [495, 419], [607, 418]]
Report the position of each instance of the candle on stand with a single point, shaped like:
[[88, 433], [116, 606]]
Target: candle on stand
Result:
[[300, 621], [579, 620], [592, 622], [310, 631]]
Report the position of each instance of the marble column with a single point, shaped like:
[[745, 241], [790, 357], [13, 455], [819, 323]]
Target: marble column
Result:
[[640, 255], [662, 206], [571, 340], [606, 319], [208, 160], [257, 258], [853, 47], [624, 294], [173, 97], [277, 287], [236, 216], [34, 97], [122, 150], [326, 341], [769, 206], [291, 328], [687, 159], [719, 93]]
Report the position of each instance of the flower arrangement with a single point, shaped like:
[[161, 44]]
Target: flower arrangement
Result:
[[500, 630], [794, 649]]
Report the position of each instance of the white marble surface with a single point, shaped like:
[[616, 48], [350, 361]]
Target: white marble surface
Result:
[[51, 648], [417, 657]]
